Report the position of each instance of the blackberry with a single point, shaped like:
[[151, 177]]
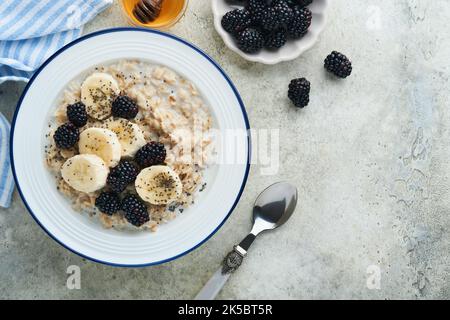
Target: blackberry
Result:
[[338, 64], [66, 136], [76, 113], [108, 203], [236, 20], [257, 9], [291, 3], [135, 210], [283, 11], [121, 176], [299, 92], [150, 154], [269, 19], [300, 23], [303, 3], [275, 39], [250, 40], [277, 16], [124, 107], [298, 10]]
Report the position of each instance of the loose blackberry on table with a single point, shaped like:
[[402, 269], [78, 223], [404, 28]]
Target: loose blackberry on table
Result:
[[299, 92], [108, 203], [135, 211], [77, 115], [151, 154], [338, 64], [124, 107], [66, 136]]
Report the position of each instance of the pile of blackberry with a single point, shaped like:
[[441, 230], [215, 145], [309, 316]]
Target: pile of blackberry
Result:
[[267, 23], [67, 135], [133, 209], [121, 176], [110, 202]]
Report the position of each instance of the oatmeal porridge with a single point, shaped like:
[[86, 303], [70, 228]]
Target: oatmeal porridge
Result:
[[129, 143]]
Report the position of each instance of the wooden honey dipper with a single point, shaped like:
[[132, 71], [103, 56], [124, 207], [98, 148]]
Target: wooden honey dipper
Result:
[[147, 10]]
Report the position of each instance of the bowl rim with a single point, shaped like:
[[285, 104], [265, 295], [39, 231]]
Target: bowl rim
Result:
[[257, 57], [164, 34]]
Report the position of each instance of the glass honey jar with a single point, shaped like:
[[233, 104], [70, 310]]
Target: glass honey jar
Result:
[[169, 12]]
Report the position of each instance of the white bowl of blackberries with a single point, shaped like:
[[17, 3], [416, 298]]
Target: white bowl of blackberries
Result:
[[269, 31]]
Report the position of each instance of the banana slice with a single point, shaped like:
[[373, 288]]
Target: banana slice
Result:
[[97, 93], [130, 136], [101, 142], [85, 172], [158, 185]]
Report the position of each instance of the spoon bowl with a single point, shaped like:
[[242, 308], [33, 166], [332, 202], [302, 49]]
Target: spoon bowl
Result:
[[274, 206]]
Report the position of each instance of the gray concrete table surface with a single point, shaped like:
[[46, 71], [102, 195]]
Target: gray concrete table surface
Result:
[[369, 156]]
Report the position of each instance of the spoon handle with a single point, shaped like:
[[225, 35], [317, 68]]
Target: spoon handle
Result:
[[230, 264], [213, 286], [247, 242]]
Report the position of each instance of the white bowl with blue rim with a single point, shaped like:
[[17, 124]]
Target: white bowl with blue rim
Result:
[[77, 232]]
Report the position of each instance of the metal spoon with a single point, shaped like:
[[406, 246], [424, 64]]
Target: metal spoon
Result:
[[273, 207]]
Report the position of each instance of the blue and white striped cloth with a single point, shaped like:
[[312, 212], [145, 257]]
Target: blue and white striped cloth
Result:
[[31, 31], [6, 178]]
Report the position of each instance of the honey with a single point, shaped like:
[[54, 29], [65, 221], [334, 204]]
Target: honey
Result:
[[171, 12]]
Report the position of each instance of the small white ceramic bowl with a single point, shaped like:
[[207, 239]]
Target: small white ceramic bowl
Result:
[[292, 49]]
